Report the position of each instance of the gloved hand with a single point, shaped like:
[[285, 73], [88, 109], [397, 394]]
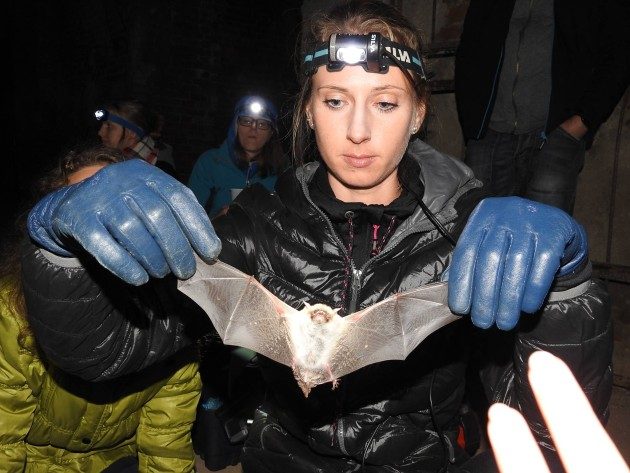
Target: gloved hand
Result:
[[507, 257], [133, 218]]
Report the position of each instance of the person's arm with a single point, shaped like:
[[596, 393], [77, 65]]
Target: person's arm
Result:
[[93, 325], [164, 434], [129, 221], [17, 400], [201, 180], [578, 330], [611, 73], [521, 264]]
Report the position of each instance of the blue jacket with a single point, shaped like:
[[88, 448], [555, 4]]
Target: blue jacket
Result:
[[214, 175]]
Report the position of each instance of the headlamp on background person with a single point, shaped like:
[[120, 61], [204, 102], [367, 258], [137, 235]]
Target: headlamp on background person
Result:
[[255, 111], [372, 51], [103, 115], [256, 108]]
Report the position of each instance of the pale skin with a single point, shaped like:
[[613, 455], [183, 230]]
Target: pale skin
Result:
[[84, 173], [575, 127], [579, 437], [111, 134], [252, 140], [363, 122]]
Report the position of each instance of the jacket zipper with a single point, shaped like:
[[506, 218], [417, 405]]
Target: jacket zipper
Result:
[[543, 133], [355, 285], [357, 274], [492, 92], [249, 175], [521, 34], [354, 289]]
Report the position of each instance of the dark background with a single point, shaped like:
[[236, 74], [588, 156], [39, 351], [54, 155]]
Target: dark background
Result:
[[189, 60]]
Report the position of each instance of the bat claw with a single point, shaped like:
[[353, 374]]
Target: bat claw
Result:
[[335, 384]]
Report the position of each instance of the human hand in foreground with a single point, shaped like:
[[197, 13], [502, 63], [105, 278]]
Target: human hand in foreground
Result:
[[136, 220], [581, 441], [507, 257]]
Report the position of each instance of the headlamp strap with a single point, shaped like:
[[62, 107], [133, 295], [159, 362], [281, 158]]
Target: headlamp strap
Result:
[[104, 115], [372, 51]]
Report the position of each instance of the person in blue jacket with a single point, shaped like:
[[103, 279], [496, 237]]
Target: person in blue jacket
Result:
[[251, 153]]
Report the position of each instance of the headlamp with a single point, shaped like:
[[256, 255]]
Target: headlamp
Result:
[[103, 115], [256, 108], [372, 51]]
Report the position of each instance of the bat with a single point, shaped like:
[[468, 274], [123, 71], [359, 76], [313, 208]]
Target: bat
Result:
[[317, 343]]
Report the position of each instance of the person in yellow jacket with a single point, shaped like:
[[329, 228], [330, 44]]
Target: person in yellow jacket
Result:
[[50, 422]]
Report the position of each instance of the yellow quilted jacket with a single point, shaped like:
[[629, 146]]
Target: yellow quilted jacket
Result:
[[46, 428]]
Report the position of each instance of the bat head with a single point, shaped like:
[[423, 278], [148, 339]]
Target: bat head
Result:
[[319, 313]]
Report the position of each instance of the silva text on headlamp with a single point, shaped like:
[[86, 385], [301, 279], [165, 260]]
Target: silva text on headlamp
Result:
[[103, 115]]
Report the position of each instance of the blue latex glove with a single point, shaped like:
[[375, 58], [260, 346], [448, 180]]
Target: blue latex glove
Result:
[[507, 257], [133, 218]]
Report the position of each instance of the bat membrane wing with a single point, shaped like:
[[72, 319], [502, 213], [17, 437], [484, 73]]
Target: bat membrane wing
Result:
[[246, 314], [242, 311], [391, 329]]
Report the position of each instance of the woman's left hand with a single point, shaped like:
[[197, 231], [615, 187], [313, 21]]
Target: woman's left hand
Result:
[[507, 258]]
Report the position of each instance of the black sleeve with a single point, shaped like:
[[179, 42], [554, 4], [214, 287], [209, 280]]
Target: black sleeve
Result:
[[93, 325], [578, 330]]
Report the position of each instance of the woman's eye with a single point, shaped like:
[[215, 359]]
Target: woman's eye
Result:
[[386, 106], [333, 103]]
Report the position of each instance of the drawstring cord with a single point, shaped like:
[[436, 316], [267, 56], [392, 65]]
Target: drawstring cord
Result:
[[376, 246]]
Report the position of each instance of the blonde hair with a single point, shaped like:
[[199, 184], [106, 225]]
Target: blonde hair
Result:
[[352, 17]]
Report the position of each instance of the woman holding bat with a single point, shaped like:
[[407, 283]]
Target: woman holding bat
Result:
[[376, 212]]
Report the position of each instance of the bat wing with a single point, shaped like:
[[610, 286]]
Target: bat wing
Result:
[[391, 329], [242, 311]]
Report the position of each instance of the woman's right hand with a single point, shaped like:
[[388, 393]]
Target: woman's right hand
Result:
[[136, 220]]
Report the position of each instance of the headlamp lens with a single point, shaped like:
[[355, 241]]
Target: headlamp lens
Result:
[[100, 115], [351, 55], [374, 52], [255, 107]]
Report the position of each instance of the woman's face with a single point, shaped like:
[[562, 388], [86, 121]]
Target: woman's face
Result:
[[111, 135], [363, 122], [252, 138]]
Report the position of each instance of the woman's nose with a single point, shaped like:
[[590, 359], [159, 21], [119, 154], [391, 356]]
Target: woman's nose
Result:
[[358, 128]]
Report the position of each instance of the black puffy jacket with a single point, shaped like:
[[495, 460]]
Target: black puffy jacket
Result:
[[379, 419]]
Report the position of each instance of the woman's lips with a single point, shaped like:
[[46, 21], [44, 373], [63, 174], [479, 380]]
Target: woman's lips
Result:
[[358, 160]]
